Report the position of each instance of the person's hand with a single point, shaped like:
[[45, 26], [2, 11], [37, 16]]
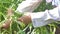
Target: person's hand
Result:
[[26, 19], [6, 24]]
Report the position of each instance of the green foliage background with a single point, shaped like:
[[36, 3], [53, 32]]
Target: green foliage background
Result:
[[20, 28]]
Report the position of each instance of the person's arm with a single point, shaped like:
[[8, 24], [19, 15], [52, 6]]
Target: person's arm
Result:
[[42, 18], [28, 5]]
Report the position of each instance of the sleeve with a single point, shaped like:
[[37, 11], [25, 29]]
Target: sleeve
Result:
[[28, 5], [45, 18]]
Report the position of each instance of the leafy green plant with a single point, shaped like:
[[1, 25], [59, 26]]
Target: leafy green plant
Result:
[[20, 28]]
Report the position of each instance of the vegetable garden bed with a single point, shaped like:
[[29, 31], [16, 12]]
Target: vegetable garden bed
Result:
[[20, 28]]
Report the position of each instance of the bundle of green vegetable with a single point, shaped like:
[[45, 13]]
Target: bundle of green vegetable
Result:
[[6, 16]]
